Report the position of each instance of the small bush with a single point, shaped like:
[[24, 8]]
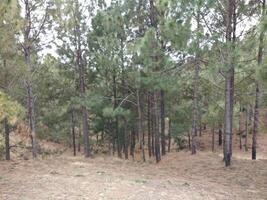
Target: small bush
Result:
[[180, 142]]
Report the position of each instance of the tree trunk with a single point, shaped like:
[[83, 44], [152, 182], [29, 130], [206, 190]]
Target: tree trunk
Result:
[[169, 136], [31, 119], [132, 142], [73, 133], [228, 121], [240, 128], [7, 147], [140, 125], [246, 130], [213, 138], [256, 122], [157, 135], [79, 139], [200, 125], [27, 46], [149, 124], [162, 120], [220, 137], [229, 84], [257, 91], [152, 124], [80, 66], [195, 94], [189, 141]]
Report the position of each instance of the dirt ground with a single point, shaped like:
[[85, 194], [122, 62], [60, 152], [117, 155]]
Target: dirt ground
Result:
[[178, 176]]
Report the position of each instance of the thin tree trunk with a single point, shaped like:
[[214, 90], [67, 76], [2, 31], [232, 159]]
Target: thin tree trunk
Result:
[[189, 140], [200, 125], [140, 125], [246, 130], [240, 128], [7, 147], [229, 85], [80, 65], [132, 143], [220, 137], [31, 119], [152, 124], [27, 56], [162, 120], [157, 135], [213, 138], [195, 94], [79, 139], [149, 124], [257, 91], [73, 133], [169, 136]]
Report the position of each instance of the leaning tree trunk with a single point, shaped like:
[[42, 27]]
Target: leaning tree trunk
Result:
[[7, 147], [257, 91]]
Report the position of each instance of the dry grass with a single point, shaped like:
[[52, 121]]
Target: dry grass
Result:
[[178, 176]]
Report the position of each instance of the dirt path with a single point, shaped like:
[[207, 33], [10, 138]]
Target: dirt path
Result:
[[178, 176]]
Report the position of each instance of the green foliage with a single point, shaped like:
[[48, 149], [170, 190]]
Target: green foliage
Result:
[[10, 109]]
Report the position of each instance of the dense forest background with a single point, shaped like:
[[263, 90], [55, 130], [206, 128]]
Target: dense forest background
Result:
[[123, 76]]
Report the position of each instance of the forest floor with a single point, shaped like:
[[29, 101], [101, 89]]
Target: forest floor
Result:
[[179, 175]]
